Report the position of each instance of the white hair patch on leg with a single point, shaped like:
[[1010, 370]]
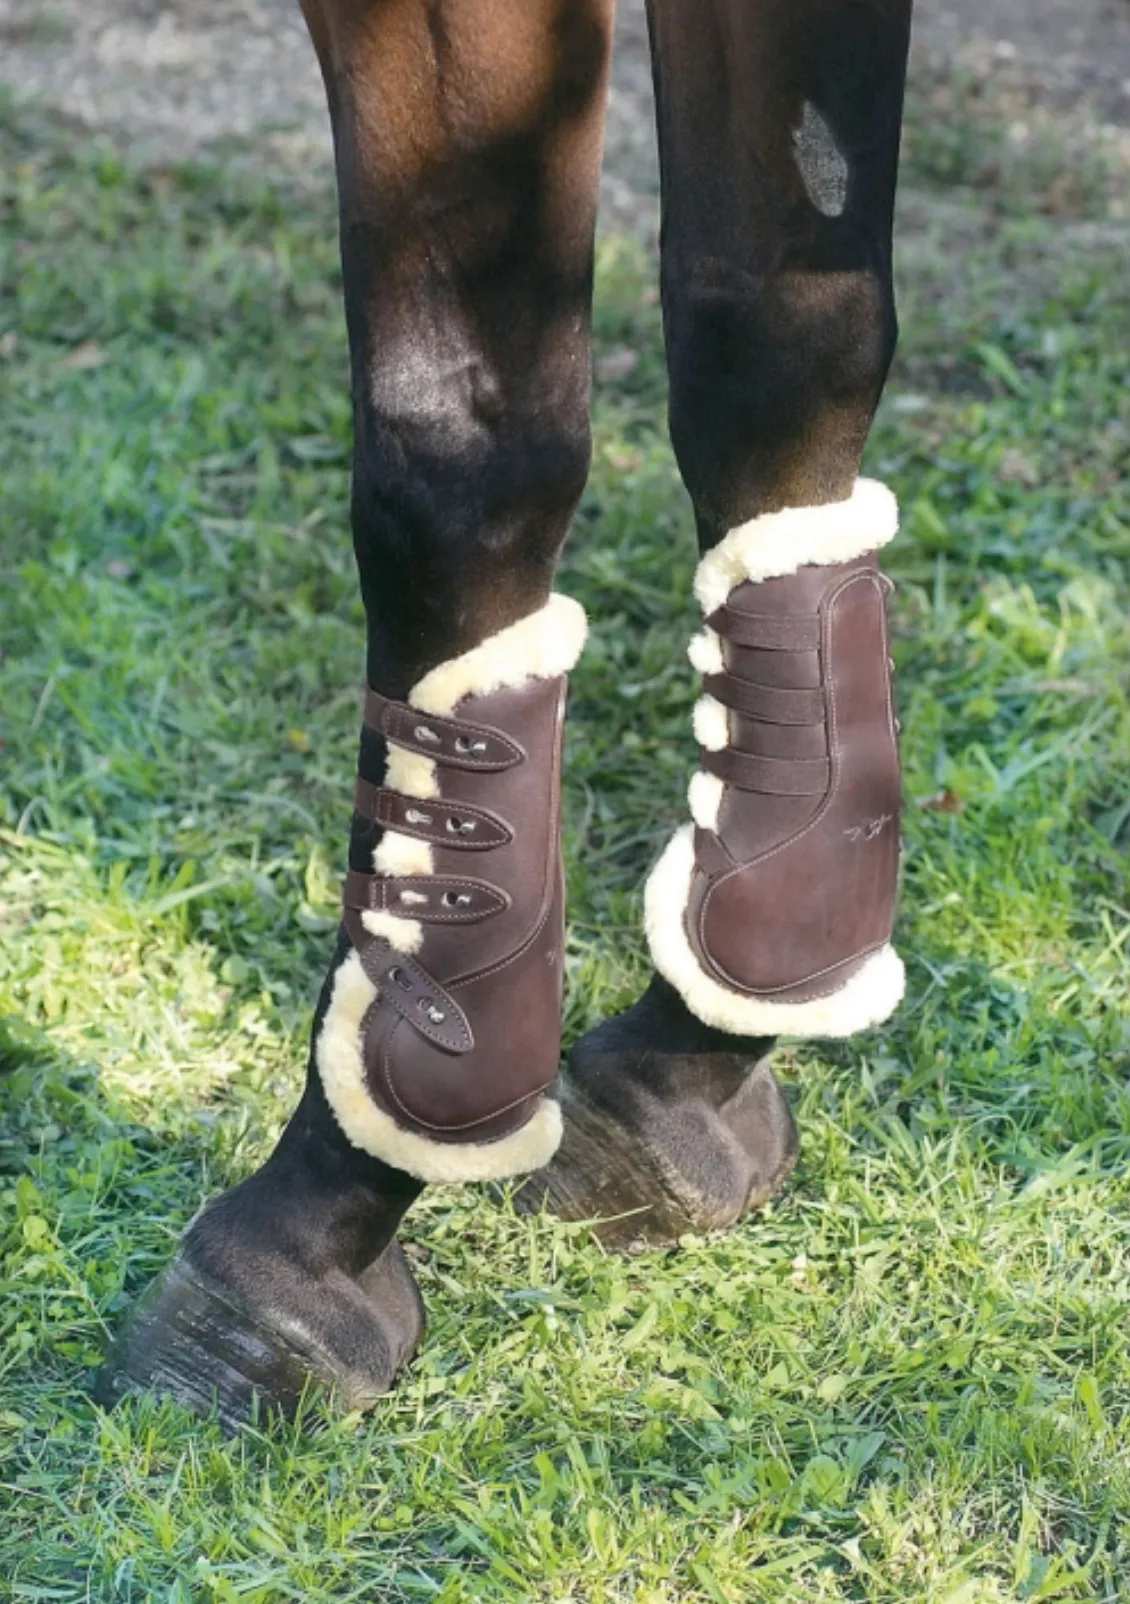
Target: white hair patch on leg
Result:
[[821, 163]]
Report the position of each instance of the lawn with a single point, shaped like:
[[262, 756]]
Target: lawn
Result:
[[909, 1379]]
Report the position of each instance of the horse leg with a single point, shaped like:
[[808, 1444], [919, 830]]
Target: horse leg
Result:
[[467, 136], [779, 125]]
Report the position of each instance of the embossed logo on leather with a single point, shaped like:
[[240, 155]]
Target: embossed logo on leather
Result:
[[868, 831]]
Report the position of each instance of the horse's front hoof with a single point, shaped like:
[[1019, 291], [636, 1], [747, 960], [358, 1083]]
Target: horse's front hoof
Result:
[[198, 1342], [660, 1146]]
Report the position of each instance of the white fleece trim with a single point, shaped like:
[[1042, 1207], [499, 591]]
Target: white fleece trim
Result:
[[403, 934], [411, 774], [704, 794], [402, 854], [779, 543], [540, 646], [711, 724], [869, 997], [341, 1065], [705, 652]]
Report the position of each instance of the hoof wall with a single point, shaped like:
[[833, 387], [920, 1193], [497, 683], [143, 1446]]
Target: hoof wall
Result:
[[649, 1172], [192, 1340]]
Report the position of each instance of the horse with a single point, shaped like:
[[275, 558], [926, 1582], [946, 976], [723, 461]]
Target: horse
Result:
[[467, 144]]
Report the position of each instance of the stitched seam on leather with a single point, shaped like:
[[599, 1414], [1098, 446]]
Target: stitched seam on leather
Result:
[[891, 721], [467, 1125], [871, 577], [761, 757], [474, 917], [794, 985], [785, 697], [457, 760], [497, 901], [424, 1124], [511, 957], [455, 810], [463, 1045], [758, 619]]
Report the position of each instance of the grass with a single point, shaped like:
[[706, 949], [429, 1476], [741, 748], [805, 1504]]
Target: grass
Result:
[[909, 1380]]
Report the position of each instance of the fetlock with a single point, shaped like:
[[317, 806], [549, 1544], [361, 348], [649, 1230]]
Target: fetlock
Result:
[[293, 1277]]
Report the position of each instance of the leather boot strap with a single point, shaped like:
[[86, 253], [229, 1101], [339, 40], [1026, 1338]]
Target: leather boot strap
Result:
[[448, 824], [781, 707], [770, 704], [770, 632], [415, 995], [446, 740], [431, 898], [773, 776]]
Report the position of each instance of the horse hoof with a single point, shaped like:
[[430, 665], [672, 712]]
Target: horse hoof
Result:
[[195, 1341], [645, 1171]]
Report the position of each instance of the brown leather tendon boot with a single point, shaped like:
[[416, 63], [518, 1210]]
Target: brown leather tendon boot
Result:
[[444, 1026], [771, 914]]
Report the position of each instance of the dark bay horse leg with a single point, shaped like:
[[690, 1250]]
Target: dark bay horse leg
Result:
[[779, 125], [467, 137]]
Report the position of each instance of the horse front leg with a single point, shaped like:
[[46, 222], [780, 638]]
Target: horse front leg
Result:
[[770, 914], [467, 137]]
